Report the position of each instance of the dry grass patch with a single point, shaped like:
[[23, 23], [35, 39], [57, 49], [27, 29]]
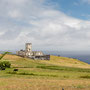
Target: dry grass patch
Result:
[[43, 84]]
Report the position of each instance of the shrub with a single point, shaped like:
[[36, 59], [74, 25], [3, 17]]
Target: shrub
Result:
[[15, 70], [86, 76], [5, 64], [3, 68]]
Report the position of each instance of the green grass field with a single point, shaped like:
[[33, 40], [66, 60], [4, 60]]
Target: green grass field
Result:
[[58, 73]]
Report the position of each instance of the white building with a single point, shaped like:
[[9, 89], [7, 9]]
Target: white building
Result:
[[32, 54]]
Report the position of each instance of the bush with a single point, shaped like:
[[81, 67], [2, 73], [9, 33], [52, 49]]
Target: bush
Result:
[[86, 76], [5, 64]]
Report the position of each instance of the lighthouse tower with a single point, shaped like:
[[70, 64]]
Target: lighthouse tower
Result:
[[28, 49]]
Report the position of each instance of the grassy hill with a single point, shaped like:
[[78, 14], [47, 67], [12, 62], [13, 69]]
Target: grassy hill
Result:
[[54, 60], [58, 73]]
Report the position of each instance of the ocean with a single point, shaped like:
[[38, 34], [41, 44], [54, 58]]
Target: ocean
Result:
[[82, 57]]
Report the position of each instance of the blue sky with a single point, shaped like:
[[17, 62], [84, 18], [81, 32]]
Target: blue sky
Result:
[[75, 8], [47, 24]]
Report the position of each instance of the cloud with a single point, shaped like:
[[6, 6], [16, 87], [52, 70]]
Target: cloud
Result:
[[9, 35], [86, 1], [14, 14], [46, 27]]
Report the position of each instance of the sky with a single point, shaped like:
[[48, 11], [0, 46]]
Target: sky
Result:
[[47, 24]]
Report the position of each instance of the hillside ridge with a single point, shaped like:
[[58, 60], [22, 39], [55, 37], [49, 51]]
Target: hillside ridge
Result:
[[54, 60]]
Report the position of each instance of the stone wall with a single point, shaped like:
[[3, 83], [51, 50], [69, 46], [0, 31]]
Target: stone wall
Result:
[[37, 53], [21, 53], [44, 57]]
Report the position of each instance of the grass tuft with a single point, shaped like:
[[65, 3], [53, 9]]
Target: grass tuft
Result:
[[86, 76]]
